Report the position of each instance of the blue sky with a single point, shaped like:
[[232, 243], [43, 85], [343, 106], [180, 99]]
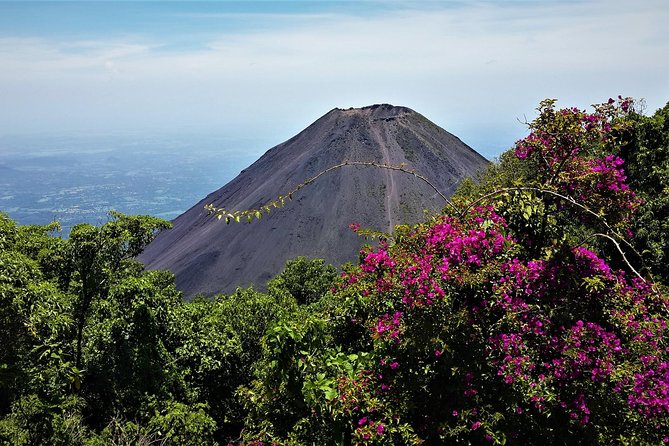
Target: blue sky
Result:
[[266, 69]]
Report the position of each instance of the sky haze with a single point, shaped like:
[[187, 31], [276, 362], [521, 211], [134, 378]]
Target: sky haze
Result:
[[268, 69]]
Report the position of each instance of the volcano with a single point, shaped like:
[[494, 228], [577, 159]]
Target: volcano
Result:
[[208, 257]]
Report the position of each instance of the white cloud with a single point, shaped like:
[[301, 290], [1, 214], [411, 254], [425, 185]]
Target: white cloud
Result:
[[473, 68]]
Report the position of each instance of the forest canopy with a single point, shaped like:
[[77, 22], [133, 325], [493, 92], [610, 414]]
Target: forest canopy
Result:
[[532, 310]]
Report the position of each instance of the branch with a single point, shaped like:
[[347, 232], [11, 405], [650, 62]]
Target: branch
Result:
[[250, 214], [548, 192], [573, 202], [617, 245]]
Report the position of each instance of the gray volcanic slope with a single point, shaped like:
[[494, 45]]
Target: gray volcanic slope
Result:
[[209, 256]]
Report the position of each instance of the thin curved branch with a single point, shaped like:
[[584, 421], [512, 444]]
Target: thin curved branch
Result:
[[653, 285], [543, 191], [573, 202], [617, 245], [249, 214]]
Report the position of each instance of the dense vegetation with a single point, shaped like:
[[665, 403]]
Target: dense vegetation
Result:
[[533, 310]]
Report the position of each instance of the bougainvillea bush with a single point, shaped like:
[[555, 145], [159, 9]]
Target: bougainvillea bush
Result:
[[520, 318]]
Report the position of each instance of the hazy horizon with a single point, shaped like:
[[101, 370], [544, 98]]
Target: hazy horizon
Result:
[[268, 69]]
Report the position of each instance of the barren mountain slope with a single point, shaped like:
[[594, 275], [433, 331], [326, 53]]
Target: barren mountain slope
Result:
[[209, 256]]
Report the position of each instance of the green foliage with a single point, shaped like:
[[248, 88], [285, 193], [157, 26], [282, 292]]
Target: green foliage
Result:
[[125, 358], [287, 380], [16, 273], [215, 345], [506, 171], [35, 327], [59, 299], [8, 232], [646, 157], [183, 425], [32, 421], [305, 280]]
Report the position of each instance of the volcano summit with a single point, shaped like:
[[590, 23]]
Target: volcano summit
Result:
[[209, 256]]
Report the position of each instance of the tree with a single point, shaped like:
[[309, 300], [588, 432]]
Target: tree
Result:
[[36, 368], [646, 155], [47, 287], [305, 280], [216, 344], [98, 255]]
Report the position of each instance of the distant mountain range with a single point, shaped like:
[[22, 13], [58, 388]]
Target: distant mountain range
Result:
[[209, 256]]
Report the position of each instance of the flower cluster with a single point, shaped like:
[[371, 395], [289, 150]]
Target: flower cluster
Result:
[[375, 260], [369, 430], [650, 391], [388, 327], [569, 150]]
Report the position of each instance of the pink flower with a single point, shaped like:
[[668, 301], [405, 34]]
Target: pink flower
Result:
[[476, 425]]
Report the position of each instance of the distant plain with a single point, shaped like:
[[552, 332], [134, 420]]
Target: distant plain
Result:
[[78, 179]]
